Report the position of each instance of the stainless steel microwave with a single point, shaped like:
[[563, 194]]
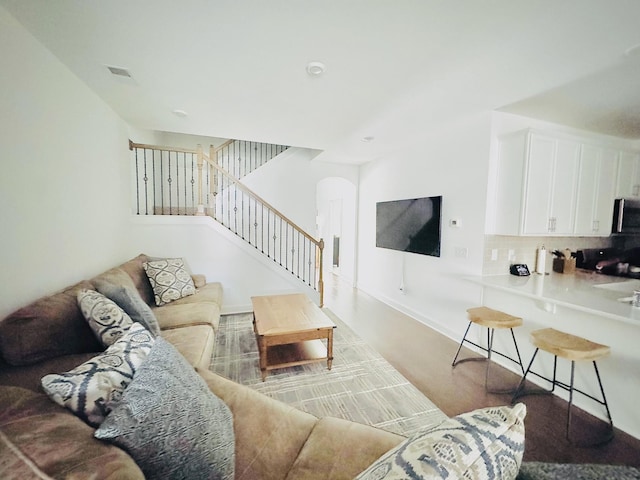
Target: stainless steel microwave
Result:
[[626, 215]]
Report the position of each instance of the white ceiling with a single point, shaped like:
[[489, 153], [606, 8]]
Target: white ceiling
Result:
[[394, 69]]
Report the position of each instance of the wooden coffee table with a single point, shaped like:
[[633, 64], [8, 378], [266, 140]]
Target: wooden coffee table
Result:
[[289, 330]]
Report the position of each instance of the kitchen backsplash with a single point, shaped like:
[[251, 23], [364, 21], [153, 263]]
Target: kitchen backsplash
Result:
[[524, 249]]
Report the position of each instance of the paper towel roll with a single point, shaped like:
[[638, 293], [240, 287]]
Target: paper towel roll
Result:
[[541, 260]]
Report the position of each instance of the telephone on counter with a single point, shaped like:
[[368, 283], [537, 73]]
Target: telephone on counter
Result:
[[519, 269]]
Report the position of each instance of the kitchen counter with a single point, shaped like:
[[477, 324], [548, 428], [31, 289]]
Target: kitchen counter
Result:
[[584, 303], [583, 290]]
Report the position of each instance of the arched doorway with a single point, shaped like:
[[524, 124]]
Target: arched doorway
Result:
[[337, 225]]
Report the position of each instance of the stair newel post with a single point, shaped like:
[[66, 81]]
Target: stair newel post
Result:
[[200, 157], [321, 276]]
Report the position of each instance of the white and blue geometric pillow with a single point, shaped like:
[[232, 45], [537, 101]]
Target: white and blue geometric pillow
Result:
[[171, 423], [485, 444], [107, 320], [169, 279], [90, 389]]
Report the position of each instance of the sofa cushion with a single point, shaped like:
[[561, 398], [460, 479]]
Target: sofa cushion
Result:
[[169, 280], [210, 293], [185, 315], [170, 422], [338, 449], [30, 376], [131, 302], [269, 434], [115, 276], [483, 444], [194, 343], [39, 439], [89, 389], [107, 320], [49, 327], [138, 276]]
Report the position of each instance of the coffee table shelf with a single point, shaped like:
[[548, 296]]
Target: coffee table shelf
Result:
[[292, 354], [291, 330]]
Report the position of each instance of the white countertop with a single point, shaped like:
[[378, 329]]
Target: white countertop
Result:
[[578, 291]]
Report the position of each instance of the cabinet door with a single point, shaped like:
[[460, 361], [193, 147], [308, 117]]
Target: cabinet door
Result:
[[628, 184], [596, 191], [538, 185], [550, 196], [564, 185]]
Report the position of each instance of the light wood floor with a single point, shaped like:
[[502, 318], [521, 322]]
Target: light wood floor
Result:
[[424, 357]]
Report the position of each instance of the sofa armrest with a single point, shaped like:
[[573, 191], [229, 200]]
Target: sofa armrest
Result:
[[199, 280], [269, 434]]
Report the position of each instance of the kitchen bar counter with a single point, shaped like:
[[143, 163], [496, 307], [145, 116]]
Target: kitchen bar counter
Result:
[[586, 304], [584, 290]]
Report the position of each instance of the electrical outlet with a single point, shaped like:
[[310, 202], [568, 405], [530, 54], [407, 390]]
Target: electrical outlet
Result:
[[461, 252], [494, 254], [511, 255]]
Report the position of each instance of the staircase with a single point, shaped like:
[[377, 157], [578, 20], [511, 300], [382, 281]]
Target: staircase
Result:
[[175, 181]]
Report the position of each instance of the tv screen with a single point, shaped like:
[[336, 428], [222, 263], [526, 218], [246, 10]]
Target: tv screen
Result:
[[410, 225]]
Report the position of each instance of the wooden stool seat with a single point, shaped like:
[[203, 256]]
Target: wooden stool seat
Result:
[[568, 346], [573, 348], [490, 318]]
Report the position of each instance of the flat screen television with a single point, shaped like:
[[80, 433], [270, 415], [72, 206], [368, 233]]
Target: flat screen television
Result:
[[411, 225]]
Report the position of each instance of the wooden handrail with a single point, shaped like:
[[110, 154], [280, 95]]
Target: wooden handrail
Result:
[[261, 200]]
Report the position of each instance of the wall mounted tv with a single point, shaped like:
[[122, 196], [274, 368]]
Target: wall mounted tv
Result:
[[411, 225]]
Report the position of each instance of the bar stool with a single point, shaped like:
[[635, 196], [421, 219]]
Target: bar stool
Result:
[[574, 348], [492, 319]]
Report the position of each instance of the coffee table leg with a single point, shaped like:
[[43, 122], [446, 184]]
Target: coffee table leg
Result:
[[262, 348], [330, 348]]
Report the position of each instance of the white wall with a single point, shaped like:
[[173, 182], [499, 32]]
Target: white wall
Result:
[[64, 181], [212, 250], [452, 162], [288, 183]]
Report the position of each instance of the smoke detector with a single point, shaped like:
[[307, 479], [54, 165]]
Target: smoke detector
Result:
[[315, 69]]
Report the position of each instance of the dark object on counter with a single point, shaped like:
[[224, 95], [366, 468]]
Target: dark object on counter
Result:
[[589, 257], [519, 269], [558, 253], [564, 265]]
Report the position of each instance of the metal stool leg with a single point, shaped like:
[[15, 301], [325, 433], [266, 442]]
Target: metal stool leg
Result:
[[453, 364], [520, 386], [513, 336]]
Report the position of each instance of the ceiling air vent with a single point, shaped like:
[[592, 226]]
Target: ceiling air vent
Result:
[[121, 72]]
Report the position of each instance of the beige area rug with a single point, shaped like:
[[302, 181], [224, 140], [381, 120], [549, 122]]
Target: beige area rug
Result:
[[361, 386]]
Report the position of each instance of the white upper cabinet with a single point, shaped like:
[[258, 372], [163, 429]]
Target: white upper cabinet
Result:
[[560, 185], [549, 201], [537, 180], [628, 184], [596, 190]]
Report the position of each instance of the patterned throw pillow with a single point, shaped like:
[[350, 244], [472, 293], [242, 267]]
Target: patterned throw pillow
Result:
[[169, 421], [483, 444], [169, 279], [89, 389], [132, 303], [107, 320]]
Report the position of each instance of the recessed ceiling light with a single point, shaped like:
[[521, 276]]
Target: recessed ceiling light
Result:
[[368, 139], [180, 113], [315, 69]]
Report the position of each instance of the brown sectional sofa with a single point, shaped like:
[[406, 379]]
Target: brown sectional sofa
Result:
[[39, 439]]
